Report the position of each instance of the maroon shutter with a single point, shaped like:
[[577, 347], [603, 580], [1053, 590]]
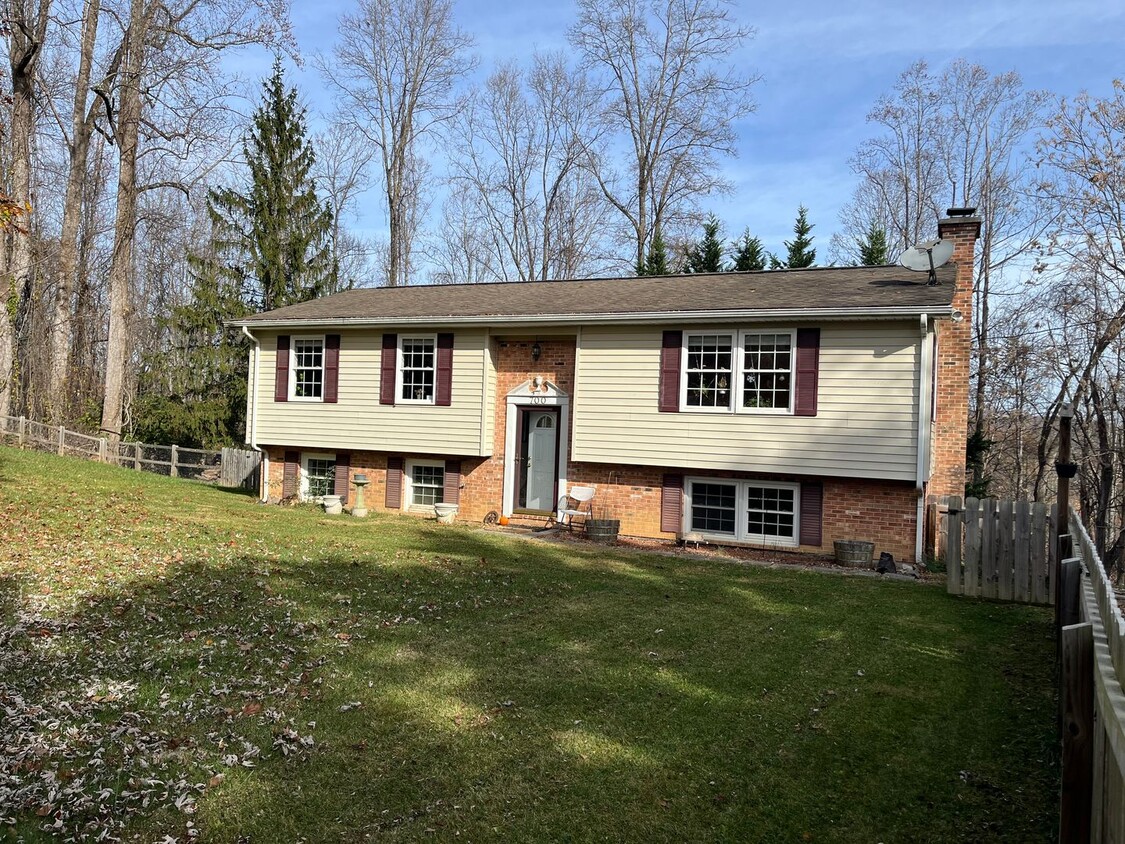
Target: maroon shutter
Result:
[[443, 393], [331, 367], [289, 484], [452, 492], [281, 370], [670, 371], [672, 504], [342, 481], [812, 508], [808, 370], [394, 483], [387, 369]]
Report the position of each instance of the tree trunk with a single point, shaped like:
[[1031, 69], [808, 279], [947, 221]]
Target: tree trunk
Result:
[[125, 223], [61, 393]]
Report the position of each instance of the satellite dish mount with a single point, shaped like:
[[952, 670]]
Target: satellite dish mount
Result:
[[927, 256]]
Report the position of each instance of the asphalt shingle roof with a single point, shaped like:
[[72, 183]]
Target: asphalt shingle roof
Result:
[[818, 290]]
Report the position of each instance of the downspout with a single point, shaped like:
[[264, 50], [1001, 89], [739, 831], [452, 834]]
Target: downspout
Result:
[[252, 415], [925, 386]]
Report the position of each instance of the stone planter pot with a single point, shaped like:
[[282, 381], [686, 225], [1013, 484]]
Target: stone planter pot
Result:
[[332, 505], [603, 530], [445, 513], [854, 553]]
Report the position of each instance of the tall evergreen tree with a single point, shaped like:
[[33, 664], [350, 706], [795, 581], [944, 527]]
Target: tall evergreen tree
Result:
[[276, 233], [800, 254], [873, 246], [748, 254], [706, 255], [656, 261]]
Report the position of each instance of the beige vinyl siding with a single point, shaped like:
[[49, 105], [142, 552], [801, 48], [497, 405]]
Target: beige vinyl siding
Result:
[[358, 422], [866, 423]]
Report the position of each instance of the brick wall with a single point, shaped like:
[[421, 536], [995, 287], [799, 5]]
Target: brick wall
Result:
[[954, 350]]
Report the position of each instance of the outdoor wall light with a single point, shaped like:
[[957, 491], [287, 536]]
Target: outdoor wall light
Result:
[[536, 350]]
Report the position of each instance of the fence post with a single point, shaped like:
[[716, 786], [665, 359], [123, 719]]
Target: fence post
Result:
[[1076, 701], [137, 456], [175, 472], [22, 431], [1070, 592], [103, 450], [953, 547]]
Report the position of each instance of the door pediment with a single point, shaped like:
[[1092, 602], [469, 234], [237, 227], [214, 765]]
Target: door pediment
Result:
[[536, 388]]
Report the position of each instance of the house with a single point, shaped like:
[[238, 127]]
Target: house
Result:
[[784, 408]]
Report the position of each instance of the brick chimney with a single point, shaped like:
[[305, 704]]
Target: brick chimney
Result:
[[961, 226]]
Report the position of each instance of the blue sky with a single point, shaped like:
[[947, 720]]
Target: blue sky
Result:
[[822, 66]]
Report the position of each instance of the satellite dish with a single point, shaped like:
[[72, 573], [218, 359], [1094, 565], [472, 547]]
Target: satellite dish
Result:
[[926, 257]]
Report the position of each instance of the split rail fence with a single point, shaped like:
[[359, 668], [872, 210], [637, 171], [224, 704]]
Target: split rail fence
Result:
[[230, 467]]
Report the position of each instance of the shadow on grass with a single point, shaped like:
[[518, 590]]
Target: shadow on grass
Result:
[[457, 683]]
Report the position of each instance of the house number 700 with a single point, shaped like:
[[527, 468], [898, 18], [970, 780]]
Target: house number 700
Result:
[[538, 399]]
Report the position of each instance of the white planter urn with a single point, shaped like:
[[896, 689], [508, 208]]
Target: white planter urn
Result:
[[332, 505], [445, 513]]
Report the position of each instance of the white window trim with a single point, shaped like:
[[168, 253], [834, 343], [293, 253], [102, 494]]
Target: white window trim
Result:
[[303, 482], [400, 365], [741, 533], [408, 483], [293, 367], [738, 372]]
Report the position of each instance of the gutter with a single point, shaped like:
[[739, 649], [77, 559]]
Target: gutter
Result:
[[673, 317], [925, 387], [252, 415]]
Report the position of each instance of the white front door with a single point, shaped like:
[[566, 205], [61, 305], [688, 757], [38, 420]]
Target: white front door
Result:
[[540, 460]]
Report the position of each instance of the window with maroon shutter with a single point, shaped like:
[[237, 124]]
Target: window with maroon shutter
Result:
[[451, 494], [387, 368], [289, 477], [342, 482], [670, 346], [281, 369], [443, 394], [394, 483], [812, 510], [808, 370], [672, 503], [331, 367]]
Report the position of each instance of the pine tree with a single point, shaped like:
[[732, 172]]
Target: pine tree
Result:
[[194, 392], [706, 256], [873, 246], [800, 254], [276, 233], [748, 254], [656, 261]]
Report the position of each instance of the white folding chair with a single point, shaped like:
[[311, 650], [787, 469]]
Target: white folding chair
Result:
[[577, 503]]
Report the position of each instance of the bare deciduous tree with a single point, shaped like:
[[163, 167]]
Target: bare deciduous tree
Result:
[[394, 69], [670, 83]]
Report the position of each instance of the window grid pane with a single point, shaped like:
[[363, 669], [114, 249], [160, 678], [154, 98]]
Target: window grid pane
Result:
[[710, 370], [321, 476], [770, 512], [418, 369], [713, 507], [767, 370], [308, 369], [427, 485]]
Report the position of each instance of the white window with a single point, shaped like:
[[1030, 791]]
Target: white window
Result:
[[761, 362], [425, 483], [767, 371], [306, 374], [750, 511], [318, 476], [417, 369]]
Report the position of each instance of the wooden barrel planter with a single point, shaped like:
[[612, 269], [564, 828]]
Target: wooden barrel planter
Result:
[[603, 530], [854, 553]]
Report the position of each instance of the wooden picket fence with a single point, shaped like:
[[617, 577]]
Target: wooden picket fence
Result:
[[1000, 550], [229, 467], [1092, 706]]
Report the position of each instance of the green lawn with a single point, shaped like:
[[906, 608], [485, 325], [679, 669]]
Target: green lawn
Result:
[[179, 660]]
